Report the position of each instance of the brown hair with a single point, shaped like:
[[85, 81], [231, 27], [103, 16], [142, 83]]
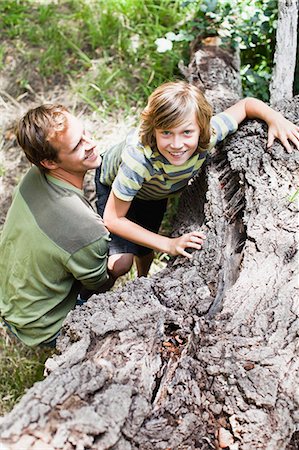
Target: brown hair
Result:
[[35, 130], [169, 105]]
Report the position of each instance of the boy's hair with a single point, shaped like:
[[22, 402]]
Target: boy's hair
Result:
[[35, 130], [169, 106]]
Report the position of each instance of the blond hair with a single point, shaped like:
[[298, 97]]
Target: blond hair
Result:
[[35, 130], [169, 106]]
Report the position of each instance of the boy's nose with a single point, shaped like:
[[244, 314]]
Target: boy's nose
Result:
[[177, 142]]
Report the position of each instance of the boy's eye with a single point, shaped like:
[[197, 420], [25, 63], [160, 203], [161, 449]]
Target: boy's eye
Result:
[[166, 133], [187, 132]]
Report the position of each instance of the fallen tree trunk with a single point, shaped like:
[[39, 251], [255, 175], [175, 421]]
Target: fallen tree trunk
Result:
[[203, 354]]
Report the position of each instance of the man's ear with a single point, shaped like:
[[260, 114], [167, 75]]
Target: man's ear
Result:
[[49, 164]]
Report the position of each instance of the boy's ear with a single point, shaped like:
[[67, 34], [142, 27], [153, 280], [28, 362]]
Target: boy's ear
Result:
[[49, 164]]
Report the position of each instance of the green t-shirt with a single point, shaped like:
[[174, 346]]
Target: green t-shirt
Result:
[[51, 243]]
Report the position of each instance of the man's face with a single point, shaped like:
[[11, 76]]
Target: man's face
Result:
[[77, 152]]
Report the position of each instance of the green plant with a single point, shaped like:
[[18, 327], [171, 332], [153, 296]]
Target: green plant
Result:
[[106, 49], [293, 197], [127, 68], [2, 53], [20, 367], [248, 24], [2, 171]]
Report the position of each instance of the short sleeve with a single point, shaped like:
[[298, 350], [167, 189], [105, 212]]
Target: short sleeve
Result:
[[132, 173], [89, 264], [222, 125]]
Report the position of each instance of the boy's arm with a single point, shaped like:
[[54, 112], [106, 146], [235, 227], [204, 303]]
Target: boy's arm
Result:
[[117, 223], [279, 126]]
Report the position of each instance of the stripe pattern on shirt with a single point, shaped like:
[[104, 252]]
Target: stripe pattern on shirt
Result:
[[136, 170]]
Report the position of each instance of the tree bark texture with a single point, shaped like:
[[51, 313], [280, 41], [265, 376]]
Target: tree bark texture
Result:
[[204, 355], [281, 86]]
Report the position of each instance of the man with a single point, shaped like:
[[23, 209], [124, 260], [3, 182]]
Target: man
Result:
[[53, 245]]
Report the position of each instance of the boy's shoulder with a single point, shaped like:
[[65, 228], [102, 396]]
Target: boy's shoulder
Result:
[[136, 149], [224, 117], [224, 123]]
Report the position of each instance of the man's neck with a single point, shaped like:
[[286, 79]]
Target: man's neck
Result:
[[75, 179]]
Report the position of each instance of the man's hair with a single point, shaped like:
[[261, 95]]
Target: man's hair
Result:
[[169, 106], [35, 130]]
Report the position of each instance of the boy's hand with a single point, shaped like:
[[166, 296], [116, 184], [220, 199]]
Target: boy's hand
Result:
[[189, 240], [284, 130]]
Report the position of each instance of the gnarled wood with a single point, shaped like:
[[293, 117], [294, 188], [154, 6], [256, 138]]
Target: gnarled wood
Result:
[[205, 353]]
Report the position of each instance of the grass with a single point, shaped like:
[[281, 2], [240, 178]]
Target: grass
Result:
[[20, 367], [294, 196], [104, 50]]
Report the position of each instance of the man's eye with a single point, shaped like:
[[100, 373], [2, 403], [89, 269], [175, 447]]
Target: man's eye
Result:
[[78, 146]]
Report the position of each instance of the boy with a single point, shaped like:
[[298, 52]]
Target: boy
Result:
[[137, 176]]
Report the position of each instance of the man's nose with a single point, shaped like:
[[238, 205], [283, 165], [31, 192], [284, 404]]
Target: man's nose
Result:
[[89, 141]]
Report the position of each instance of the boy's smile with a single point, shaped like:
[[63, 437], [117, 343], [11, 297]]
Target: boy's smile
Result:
[[178, 144]]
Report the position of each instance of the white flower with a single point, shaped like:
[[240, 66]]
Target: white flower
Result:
[[135, 43], [163, 45], [171, 36]]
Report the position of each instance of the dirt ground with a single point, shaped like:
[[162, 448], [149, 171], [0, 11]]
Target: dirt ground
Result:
[[14, 102]]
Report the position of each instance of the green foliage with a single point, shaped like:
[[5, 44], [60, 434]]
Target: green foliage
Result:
[[20, 367], [249, 24], [127, 68], [2, 52], [2, 171], [106, 49], [294, 196]]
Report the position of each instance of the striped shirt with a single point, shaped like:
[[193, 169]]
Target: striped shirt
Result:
[[134, 170]]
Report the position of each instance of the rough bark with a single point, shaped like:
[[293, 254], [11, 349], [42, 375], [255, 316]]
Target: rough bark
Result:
[[281, 86], [205, 353]]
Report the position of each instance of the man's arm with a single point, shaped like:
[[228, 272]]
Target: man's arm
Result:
[[86, 293], [279, 126], [89, 266]]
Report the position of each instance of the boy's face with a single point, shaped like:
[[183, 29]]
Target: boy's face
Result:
[[77, 152], [178, 144]]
